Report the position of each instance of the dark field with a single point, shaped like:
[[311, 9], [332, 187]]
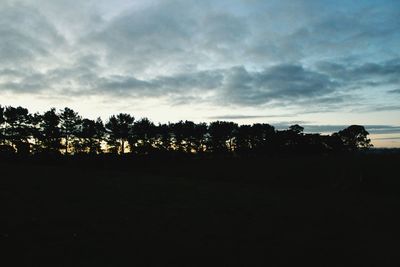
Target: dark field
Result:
[[320, 210]]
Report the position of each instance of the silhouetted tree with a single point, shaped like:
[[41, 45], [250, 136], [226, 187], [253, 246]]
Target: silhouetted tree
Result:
[[355, 137], [2, 126], [90, 136], [244, 139], [221, 135], [5, 147], [23, 132], [119, 129], [50, 137], [163, 137], [17, 131], [143, 136], [35, 131], [100, 133], [262, 135], [188, 131], [188, 137], [297, 129], [197, 137], [289, 140], [312, 143], [178, 135], [70, 122], [334, 142]]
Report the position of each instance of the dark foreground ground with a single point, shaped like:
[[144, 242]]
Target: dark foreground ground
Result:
[[313, 210]]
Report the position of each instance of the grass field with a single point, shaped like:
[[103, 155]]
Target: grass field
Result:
[[324, 210]]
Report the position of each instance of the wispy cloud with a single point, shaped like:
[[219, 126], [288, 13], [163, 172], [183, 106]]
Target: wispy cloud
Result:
[[242, 117]]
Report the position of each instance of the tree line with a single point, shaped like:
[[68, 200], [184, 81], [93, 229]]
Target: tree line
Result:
[[66, 132]]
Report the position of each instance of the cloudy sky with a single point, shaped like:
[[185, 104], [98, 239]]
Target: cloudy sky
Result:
[[323, 64]]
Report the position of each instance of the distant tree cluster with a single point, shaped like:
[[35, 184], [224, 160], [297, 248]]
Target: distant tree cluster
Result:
[[65, 131]]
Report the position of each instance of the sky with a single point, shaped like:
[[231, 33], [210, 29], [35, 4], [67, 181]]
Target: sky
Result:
[[322, 64]]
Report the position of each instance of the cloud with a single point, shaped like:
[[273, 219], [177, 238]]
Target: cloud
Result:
[[372, 129], [371, 74], [387, 138], [395, 91], [232, 86], [26, 35], [182, 84], [310, 56], [171, 36], [241, 117], [309, 127], [317, 30], [382, 129], [384, 108], [280, 82]]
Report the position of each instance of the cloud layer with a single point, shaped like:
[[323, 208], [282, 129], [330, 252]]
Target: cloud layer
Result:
[[312, 56]]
